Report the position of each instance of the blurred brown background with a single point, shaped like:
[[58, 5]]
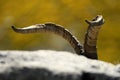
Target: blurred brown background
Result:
[[68, 13]]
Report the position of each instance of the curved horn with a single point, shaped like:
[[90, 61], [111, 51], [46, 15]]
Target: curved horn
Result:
[[57, 29], [90, 43], [90, 49]]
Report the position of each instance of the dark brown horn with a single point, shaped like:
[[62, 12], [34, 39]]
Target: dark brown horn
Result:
[[90, 43]]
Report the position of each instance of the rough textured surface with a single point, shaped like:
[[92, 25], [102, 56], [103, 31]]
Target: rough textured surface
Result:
[[53, 65]]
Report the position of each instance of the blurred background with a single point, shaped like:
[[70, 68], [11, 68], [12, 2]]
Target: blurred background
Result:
[[68, 13]]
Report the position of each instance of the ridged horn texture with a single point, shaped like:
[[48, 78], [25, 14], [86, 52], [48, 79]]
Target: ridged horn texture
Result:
[[57, 29], [90, 43], [89, 50]]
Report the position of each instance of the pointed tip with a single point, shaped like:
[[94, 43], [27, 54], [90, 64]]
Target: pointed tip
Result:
[[88, 22], [13, 27]]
